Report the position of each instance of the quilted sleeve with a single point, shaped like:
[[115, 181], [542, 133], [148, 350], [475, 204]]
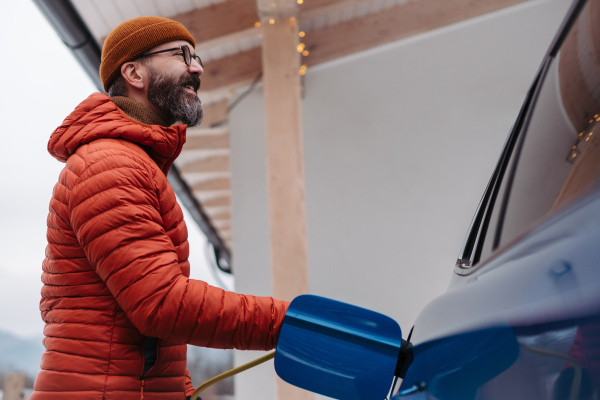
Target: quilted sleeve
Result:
[[189, 387], [114, 211]]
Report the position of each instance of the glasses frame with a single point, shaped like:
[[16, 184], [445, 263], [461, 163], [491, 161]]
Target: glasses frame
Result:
[[186, 54]]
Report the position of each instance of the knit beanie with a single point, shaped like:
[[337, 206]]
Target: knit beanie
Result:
[[134, 37]]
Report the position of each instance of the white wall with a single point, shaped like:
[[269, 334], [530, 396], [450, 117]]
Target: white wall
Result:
[[399, 143]]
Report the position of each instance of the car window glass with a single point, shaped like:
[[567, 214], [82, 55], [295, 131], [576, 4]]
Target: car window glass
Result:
[[560, 156]]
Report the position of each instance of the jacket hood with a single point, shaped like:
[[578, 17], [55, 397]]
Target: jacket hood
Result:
[[97, 117]]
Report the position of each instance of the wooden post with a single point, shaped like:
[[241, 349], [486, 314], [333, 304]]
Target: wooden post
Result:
[[285, 159], [13, 387], [285, 167]]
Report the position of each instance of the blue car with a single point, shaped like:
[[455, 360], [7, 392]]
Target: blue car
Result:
[[521, 318]]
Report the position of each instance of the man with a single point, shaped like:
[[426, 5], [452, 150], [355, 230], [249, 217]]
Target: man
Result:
[[118, 304]]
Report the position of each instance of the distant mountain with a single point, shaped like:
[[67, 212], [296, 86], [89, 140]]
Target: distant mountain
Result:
[[20, 355]]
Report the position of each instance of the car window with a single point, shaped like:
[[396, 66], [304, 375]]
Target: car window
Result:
[[557, 159]]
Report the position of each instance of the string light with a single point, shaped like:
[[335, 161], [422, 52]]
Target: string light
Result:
[[301, 47], [583, 140]]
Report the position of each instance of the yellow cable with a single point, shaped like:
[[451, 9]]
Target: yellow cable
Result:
[[232, 372], [577, 376]]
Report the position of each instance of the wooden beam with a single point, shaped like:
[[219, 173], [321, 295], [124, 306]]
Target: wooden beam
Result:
[[221, 19], [285, 167], [285, 159]]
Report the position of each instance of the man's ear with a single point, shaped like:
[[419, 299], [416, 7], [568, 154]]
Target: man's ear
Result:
[[133, 73]]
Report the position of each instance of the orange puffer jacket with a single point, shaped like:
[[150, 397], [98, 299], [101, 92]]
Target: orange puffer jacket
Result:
[[117, 300]]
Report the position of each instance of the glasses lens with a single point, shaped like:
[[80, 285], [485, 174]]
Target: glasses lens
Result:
[[187, 55]]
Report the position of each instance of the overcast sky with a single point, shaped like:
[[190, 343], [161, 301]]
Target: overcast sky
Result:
[[41, 84]]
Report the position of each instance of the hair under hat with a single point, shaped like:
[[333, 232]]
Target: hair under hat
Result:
[[134, 37]]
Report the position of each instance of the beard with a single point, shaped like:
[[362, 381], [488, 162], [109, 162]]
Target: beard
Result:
[[173, 101]]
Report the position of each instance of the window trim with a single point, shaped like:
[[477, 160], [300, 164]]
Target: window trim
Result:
[[468, 260]]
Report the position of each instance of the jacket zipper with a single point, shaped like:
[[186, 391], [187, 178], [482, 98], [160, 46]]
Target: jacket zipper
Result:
[[145, 373]]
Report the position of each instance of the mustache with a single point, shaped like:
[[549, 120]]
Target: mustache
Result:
[[191, 80]]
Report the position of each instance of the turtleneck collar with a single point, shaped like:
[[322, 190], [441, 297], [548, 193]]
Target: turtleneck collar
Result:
[[138, 111]]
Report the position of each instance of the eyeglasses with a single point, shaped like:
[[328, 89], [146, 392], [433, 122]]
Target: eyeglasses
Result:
[[186, 54]]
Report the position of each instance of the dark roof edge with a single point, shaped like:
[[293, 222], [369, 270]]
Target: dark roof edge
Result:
[[74, 33]]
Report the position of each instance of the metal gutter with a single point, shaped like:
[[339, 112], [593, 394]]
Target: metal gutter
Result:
[[75, 34]]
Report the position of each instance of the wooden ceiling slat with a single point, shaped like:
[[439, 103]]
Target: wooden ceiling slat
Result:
[[207, 142], [222, 225], [213, 184], [216, 209], [215, 113], [208, 164], [310, 8], [239, 69], [227, 237], [220, 19], [217, 202], [221, 216], [205, 45]]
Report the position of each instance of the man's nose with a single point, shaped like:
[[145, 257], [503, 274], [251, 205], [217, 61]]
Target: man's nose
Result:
[[195, 67]]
